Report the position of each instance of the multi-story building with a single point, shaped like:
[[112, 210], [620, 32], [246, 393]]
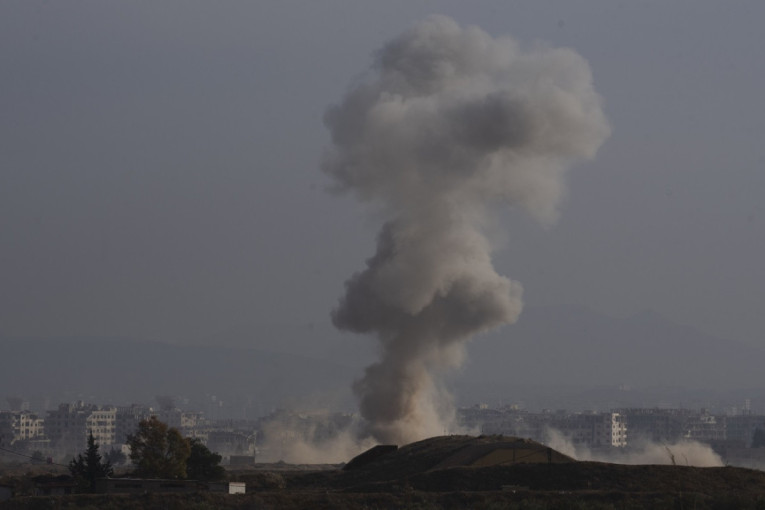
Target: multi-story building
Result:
[[172, 417], [658, 425], [512, 423], [740, 428], [68, 426], [599, 430], [102, 423], [705, 427], [30, 426], [20, 426], [191, 420], [184, 421], [587, 429], [592, 429], [127, 419], [226, 442]]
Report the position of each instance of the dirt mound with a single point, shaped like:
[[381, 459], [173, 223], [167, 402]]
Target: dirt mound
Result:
[[458, 451], [501, 451], [497, 463], [513, 469], [370, 456], [445, 452]]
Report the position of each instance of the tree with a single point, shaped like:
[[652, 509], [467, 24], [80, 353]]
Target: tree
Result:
[[203, 464], [115, 457], [158, 451], [87, 469]]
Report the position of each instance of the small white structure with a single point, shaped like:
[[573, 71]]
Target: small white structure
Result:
[[142, 486], [228, 487]]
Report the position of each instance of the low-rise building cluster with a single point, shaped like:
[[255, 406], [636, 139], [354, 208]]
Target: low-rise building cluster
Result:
[[586, 429], [619, 428], [63, 431]]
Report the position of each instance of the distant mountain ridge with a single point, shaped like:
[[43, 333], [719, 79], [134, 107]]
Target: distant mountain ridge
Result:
[[574, 345], [110, 371], [562, 347]]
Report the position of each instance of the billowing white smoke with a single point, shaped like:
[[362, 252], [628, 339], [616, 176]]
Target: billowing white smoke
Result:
[[449, 122], [684, 452]]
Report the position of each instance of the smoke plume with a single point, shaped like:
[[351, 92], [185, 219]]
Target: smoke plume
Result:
[[684, 452], [449, 122]]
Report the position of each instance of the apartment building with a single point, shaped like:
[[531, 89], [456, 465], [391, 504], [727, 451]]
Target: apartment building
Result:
[[657, 425], [68, 426], [591, 429], [586, 429], [102, 423], [20, 426]]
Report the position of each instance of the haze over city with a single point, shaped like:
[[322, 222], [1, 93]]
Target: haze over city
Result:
[[161, 180]]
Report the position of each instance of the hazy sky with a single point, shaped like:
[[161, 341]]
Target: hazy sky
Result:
[[159, 163]]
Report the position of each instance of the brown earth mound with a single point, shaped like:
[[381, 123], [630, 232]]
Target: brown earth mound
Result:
[[455, 451], [380, 467], [500, 451], [497, 463], [370, 456]]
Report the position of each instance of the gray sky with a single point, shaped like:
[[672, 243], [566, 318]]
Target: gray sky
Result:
[[159, 164]]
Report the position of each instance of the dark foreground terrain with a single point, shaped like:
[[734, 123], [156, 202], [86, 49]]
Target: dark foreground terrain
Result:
[[457, 472]]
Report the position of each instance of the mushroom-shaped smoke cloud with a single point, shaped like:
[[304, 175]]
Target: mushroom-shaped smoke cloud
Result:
[[449, 122]]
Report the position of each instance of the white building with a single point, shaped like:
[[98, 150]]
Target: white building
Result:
[[68, 426], [102, 424], [593, 430], [20, 426]]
